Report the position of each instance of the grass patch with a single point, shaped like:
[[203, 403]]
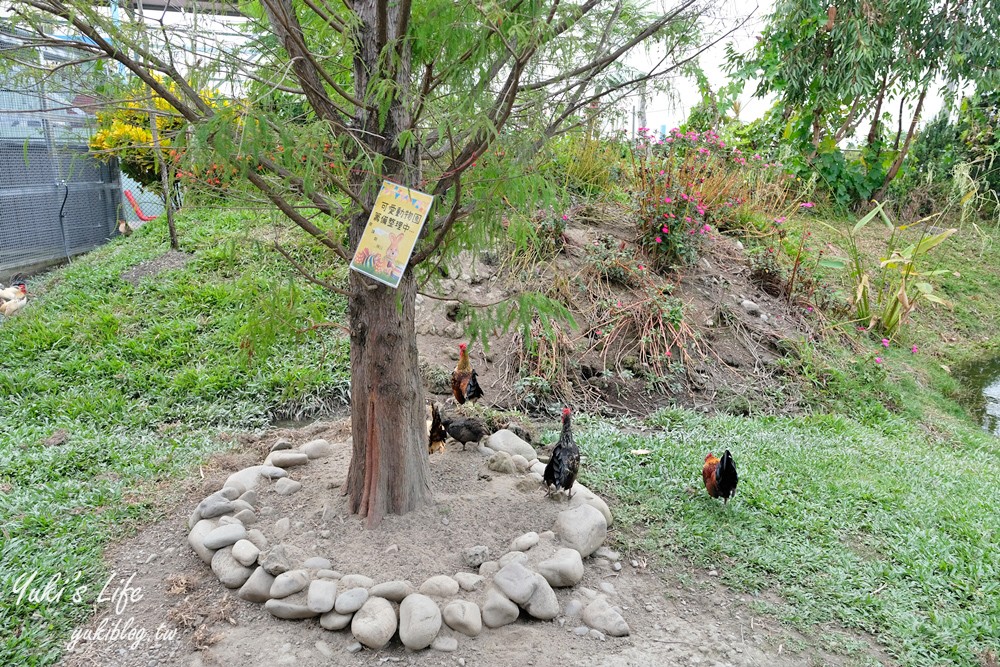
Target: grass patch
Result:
[[879, 529], [141, 377]]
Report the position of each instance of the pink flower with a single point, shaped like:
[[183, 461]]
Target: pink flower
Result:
[[809, 309], [565, 217], [659, 239], [913, 350], [668, 353], [885, 342], [806, 204], [641, 267], [662, 172], [665, 230], [878, 360], [687, 218], [668, 200], [780, 220]]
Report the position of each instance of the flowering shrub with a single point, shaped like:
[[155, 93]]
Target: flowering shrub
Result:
[[687, 183], [213, 176], [124, 132]]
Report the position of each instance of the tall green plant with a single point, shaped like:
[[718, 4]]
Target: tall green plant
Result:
[[885, 297]]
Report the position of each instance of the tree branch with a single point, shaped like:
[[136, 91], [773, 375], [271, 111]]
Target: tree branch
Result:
[[308, 276], [294, 215], [286, 27], [443, 229], [601, 63]]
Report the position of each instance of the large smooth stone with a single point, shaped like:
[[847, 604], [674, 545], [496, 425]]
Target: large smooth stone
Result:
[[196, 538], [419, 621], [584, 496], [287, 458], [225, 536], [375, 623], [331, 620], [565, 568], [258, 586], [441, 586], [351, 600], [499, 610], [393, 591], [464, 616], [516, 582], [322, 595], [505, 441], [228, 569], [582, 528], [288, 610], [543, 603], [600, 616], [287, 583]]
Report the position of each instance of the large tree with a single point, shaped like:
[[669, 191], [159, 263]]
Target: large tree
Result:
[[332, 97], [835, 65]]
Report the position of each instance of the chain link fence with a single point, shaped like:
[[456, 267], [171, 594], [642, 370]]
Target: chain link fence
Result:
[[56, 200]]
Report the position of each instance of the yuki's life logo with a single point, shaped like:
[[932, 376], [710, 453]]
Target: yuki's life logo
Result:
[[118, 592]]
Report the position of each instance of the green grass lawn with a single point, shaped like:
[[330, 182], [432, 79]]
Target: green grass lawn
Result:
[[876, 528], [142, 378]]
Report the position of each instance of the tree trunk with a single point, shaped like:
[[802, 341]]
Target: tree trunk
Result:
[[898, 162], [899, 129], [163, 165], [873, 132], [389, 471]]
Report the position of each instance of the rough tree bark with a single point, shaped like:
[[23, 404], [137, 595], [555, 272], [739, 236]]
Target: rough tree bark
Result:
[[389, 471]]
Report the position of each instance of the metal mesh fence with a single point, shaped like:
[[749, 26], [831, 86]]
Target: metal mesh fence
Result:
[[55, 199]]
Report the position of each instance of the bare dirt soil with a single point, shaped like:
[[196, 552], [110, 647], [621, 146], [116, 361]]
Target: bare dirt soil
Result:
[[729, 353], [679, 616], [172, 259]]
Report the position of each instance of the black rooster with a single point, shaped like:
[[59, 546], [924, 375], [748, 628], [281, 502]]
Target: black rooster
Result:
[[720, 476], [564, 464], [473, 392], [465, 429]]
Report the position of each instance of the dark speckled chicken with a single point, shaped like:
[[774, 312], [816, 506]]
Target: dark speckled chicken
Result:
[[564, 464], [465, 429]]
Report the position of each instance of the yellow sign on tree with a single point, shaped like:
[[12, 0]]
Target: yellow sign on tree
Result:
[[393, 227]]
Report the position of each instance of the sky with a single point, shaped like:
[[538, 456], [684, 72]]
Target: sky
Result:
[[665, 111], [671, 111]]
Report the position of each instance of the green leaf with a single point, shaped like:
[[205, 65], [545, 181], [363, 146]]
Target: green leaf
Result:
[[936, 299], [929, 242], [832, 263], [868, 218]]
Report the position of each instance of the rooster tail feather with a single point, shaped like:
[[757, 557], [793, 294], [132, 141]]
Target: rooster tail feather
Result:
[[473, 390]]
